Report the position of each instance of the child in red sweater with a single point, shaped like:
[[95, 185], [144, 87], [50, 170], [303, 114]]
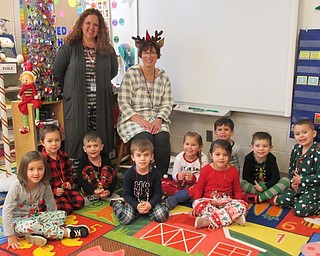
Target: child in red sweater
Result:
[[217, 195]]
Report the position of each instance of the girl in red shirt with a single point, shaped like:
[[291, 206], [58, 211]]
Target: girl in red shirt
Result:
[[217, 195]]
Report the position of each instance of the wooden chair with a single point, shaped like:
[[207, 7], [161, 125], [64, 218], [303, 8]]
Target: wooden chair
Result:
[[123, 154]]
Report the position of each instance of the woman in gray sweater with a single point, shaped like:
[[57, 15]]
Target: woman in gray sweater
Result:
[[84, 66]]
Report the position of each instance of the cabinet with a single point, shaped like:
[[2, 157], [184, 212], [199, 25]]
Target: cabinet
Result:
[[30, 141]]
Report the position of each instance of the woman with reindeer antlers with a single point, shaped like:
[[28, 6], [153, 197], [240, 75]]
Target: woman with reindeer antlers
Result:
[[145, 101]]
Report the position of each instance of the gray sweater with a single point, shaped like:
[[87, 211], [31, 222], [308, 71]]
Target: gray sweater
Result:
[[18, 204], [69, 69]]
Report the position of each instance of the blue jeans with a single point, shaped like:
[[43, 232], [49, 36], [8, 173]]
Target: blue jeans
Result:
[[162, 148], [179, 197]]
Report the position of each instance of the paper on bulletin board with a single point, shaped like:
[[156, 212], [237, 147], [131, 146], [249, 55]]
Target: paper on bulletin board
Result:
[[66, 13], [123, 27]]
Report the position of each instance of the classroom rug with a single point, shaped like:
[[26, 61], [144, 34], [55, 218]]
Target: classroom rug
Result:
[[103, 246], [269, 231], [59, 247]]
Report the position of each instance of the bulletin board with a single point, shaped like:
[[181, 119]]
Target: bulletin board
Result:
[[66, 13], [306, 96], [225, 53]]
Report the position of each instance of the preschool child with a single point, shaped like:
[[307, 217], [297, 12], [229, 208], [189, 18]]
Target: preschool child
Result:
[[224, 130], [187, 165], [67, 199], [217, 195], [261, 176], [141, 187], [96, 178], [30, 210], [303, 195]]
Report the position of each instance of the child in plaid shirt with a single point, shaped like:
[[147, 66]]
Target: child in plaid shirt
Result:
[[61, 180], [96, 177]]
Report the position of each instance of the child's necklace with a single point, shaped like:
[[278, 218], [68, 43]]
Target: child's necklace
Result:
[[58, 171], [139, 186], [33, 194], [96, 173], [224, 177], [216, 193]]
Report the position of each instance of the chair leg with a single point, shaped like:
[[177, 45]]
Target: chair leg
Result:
[[120, 155]]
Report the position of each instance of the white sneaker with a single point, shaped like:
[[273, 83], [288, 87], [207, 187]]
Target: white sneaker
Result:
[[117, 200], [78, 231], [201, 222], [90, 199], [36, 240], [241, 220]]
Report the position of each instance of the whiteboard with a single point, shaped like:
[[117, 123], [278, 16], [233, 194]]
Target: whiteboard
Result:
[[235, 54]]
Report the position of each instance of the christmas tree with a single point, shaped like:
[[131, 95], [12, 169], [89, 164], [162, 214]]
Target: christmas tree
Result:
[[41, 42]]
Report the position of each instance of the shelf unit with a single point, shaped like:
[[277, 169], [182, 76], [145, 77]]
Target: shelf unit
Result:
[[27, 142]]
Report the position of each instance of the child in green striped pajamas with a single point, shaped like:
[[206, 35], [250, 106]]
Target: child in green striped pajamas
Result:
[[261, 177]]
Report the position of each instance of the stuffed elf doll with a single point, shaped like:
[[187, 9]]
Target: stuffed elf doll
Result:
[[28, 94]]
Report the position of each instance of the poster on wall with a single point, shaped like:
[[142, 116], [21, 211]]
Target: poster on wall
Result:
[[66, 13], [306, 95]]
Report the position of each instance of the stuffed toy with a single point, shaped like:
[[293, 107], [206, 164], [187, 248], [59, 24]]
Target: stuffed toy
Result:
[[28, 94], [6, 180], [6, 51], [3, 27]]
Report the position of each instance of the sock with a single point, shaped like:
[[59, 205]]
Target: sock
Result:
[[253, 199], [68, 231], [273, 200], [250, 198], [25, 121], [37, 114]]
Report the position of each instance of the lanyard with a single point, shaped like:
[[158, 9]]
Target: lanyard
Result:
[[151, 87]]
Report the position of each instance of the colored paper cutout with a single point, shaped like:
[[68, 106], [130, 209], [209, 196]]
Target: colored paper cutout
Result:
[[315, 55], [121, 21], [304, 55], [316, 118], [302, 80], [72, 3], [313, 80]]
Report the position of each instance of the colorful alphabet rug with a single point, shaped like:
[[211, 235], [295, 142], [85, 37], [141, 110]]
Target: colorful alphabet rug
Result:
[[269, 231]]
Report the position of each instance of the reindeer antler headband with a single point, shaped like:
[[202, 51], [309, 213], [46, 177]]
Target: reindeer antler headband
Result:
[[156, 39]]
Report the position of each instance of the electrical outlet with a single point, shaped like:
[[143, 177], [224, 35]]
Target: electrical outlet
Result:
[[209, 136]]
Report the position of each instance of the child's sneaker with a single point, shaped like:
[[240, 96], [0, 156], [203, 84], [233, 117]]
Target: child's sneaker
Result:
[[241, 220], [90, 199], [201, 222], [118, 200], [78, 231], [36, 240]]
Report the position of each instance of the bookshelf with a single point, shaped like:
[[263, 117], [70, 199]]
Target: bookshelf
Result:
[[30, 141]]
